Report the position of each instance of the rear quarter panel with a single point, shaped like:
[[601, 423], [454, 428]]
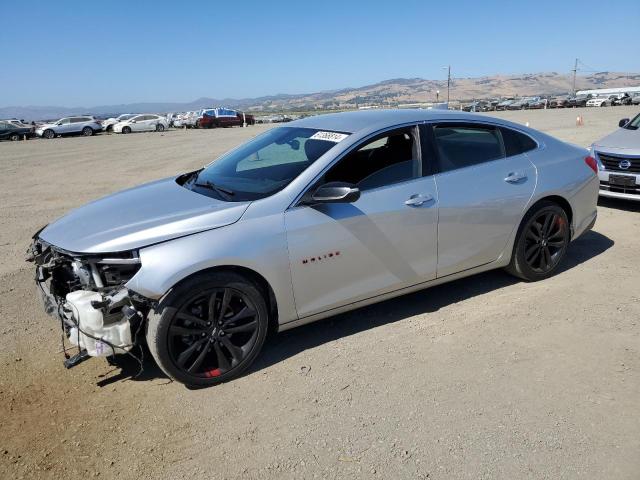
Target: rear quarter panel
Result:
[[563, 172]]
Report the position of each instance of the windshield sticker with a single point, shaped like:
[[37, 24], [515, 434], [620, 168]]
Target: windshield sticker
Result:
[[329, 136]]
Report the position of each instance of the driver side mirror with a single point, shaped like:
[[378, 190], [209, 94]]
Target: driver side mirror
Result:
[[623, 122], [336, 192]]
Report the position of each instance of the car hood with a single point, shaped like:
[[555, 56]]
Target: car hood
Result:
[[621, 139], [46, 125], [141, 216]]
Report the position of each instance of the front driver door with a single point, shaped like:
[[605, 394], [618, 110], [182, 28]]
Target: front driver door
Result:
[[344, 252], [483, 189]]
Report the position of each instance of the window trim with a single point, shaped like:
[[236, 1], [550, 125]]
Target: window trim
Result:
[[300, 198]]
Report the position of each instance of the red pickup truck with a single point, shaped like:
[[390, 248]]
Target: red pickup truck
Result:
[[223, 117]]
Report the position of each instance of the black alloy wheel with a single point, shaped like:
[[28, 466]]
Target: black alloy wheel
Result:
[[49, 134], [541, 243], [210, 329], [545, 241], [87, 131]]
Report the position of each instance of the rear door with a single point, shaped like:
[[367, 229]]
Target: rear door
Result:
[[484, 184], [76, 124], [344, 252]]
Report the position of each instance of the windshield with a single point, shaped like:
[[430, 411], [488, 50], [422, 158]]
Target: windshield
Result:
[[264, 165], [126, 116], [633, 124]]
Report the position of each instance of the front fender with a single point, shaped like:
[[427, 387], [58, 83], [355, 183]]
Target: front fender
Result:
[[258, 244]]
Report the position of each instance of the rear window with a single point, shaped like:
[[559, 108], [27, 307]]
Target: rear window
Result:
[[516, 143]]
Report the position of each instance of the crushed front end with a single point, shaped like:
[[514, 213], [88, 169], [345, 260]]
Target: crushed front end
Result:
[[86, 293]]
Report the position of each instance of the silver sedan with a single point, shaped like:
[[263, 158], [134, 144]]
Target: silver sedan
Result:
[[320, 216]]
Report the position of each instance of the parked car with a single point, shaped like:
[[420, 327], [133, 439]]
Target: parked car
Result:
[[142, 123], [578, 100], [537, 103], [321, 216], [621, 99], [504, 104], [479, 106], [618, 157], [222, 117], [522, 104], [599, 102], [10, 130], [85, 125], [635, 99], [108, 124], [558, 102]]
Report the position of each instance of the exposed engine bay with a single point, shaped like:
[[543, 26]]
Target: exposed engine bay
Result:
[[87, 294]]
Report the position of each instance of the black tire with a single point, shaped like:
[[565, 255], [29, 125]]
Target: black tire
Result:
[[159, 128], [541, 242], [126, 130], [109, 129], [209, 329], [14, 137], [49, 134], [87, 131]]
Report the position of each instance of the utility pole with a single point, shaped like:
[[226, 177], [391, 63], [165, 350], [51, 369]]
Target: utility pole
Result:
[[575, 70], [448, 84]]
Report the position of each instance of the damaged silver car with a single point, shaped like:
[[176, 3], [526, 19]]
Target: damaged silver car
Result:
[[321, 216]]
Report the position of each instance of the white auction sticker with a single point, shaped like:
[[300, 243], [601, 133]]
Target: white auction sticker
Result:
[[329, 136]]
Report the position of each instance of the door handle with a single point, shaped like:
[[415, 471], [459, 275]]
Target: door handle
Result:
[[418, 199], [515, 177]]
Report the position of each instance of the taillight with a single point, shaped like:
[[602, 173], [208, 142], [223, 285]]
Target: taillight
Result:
[[591, 162]]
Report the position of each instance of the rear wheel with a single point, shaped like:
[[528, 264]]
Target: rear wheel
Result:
[[14, 137], [159, 128], [87, 131], [126, 129], [541, 242], [209, 329]]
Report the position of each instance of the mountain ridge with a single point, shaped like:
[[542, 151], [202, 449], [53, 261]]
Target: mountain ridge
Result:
[[390, 92]]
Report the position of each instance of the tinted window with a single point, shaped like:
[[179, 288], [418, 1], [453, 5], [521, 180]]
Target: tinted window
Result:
[[75, 119], [461, 146], [516, 143], [384, 160]]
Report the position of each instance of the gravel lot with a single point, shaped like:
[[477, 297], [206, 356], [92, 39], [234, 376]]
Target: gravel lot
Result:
[[483, 378]]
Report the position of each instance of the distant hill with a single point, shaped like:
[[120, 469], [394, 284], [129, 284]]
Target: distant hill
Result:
[[387, 93]]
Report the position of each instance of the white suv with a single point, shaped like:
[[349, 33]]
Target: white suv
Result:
[[81, 125]]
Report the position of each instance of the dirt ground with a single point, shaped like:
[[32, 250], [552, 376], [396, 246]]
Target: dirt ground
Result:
[[482, 378]]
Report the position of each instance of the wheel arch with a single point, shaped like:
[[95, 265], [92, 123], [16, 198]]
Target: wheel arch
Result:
[[251, 275], [560, 201]]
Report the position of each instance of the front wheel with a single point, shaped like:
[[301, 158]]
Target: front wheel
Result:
[[126, 129], [49, 134], [14, 137], [209, 329], [541, 242]]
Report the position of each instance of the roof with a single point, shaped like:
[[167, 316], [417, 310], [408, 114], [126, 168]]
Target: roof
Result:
[[361, 120]]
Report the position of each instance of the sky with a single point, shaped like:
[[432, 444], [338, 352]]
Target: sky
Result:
[[78, 53]]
